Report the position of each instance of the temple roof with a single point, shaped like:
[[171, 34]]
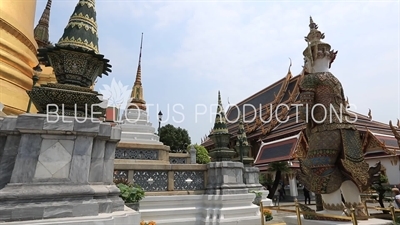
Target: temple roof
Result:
[[375, 145], [279, 150], [41, 31], [285, 91], [81, 30]]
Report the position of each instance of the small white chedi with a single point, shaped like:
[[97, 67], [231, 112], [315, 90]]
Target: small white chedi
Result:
[[136, 127]]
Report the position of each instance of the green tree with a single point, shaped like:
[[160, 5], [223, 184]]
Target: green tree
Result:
[[265, 180], [202, 156], [176, 138], [278, 168], [381, 187]]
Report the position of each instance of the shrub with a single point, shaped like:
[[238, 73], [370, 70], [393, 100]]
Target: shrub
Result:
[[202, 156], [130, 193]]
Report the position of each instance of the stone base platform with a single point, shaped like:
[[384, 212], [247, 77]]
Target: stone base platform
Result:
[[201, 209], [128, 216], [292, 220]]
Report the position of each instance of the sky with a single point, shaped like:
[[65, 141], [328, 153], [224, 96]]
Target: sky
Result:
[[193, 49]]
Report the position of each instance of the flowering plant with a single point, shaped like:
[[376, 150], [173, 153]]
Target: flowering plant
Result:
[[148, 223], [268, 214]]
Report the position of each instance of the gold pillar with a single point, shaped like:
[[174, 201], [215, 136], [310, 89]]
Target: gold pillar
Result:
[[17, 53]]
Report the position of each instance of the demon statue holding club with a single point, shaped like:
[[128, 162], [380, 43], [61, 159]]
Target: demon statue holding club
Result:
[[334, 163]]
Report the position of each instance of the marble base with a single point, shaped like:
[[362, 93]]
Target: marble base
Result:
[[57, 167], [127, 216], [251, 178], [292, 220], [225, 178], [200, 209], [267, 202]]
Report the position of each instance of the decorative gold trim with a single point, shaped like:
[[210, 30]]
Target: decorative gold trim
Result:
[[18, 34], [333, 207], [301, 147], [358, 170], [372, 142], [359, 209], [89, 3], [78, 42]]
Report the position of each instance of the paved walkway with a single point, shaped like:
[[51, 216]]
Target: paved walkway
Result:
[[278, 215]]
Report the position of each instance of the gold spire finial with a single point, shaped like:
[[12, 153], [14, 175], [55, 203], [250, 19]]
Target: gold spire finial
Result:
[[139, 69], [137, 100]]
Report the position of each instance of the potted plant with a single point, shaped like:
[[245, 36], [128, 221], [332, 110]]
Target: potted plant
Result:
[[131, 194], [258, 197], [148, 223], [267, 214]]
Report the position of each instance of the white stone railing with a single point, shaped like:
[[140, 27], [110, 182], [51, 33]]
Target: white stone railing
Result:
[[179, 158]]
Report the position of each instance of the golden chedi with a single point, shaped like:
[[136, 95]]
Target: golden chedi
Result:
[[17, 53]]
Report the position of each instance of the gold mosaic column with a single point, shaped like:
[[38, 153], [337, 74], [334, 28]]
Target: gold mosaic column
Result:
[[17, 54]]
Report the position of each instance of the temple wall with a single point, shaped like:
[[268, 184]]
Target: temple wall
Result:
[[17, 54], [392, 171]]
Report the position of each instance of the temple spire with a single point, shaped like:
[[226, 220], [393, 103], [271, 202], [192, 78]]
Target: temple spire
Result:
[[221, 137], [41, 31], [220, 126], [81, 30], [137, 100], [139, 69]]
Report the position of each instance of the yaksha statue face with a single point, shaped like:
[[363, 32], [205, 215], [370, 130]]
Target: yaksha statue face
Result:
[[307, 65], [322, 61]]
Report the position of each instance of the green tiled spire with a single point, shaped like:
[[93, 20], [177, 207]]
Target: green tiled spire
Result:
[[220, 136], [81, 30], [220, 126], [41, 31]]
